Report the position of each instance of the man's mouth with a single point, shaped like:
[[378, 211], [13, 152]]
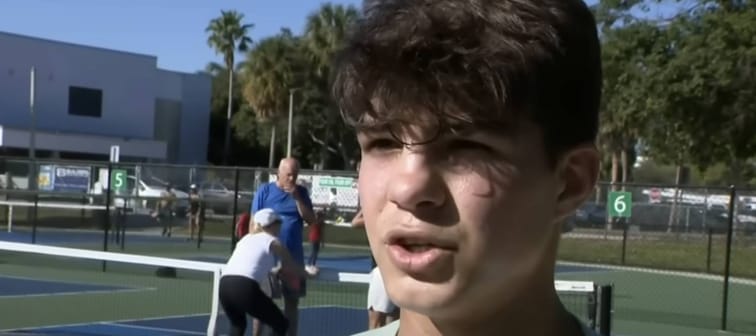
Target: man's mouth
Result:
[[419, 254]]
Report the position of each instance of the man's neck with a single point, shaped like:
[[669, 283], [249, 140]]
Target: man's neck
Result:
[[538, 317]]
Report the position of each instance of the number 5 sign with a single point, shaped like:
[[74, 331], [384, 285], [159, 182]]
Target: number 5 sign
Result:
[[118, 180], [620, 204]]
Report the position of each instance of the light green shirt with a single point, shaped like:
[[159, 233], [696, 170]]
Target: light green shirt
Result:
[[393, 328]]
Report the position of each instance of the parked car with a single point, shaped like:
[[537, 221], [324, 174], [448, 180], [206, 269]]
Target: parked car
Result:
[[148, 195], [591, 215], [220, 199]]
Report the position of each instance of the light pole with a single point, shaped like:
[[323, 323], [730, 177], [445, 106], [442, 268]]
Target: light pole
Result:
[[291, 118], [32, 131]]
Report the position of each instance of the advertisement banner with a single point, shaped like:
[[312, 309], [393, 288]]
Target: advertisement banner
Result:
[[45, 178], [64, 178], [71, 179]]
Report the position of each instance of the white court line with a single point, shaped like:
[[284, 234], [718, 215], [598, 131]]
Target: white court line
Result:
[[55, 326], [701, 276], [91, 284], [83, 283], [101, 291], [133, 326]]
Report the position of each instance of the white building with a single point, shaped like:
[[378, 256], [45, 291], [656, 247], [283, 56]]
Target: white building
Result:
[[88, 99]]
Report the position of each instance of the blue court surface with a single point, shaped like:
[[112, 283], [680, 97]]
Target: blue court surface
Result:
[[351, 264], [26, 287], [313, 321]]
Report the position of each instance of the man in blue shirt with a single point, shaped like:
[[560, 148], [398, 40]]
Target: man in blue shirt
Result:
[[293, 204]]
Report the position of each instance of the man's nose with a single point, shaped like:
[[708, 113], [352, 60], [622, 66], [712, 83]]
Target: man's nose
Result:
[[416, 183]]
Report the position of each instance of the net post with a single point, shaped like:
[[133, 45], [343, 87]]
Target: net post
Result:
[[214, 303], [606, 293]]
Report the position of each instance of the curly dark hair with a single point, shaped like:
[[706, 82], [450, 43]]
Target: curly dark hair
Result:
[[481, 63]]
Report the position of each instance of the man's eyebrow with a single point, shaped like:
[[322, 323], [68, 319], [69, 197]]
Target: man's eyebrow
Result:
[[378, 128], [486, 129]]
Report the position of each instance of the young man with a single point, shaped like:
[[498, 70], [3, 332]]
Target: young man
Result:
[[246, 274], [292, 202], [476, 121]]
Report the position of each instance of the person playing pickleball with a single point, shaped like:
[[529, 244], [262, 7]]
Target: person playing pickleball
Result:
[[246, 274]]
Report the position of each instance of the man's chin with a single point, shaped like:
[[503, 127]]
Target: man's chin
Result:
[[425, 298]]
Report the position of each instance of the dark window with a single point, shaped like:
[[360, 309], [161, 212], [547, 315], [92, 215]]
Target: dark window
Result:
[[84, 102]]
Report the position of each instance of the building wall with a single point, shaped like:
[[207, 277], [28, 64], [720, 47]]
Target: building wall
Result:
[[195, 121], [132, 87], [192, 93]]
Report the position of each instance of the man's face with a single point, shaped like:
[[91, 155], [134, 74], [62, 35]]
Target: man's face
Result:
[[464, 219], [288, 173]]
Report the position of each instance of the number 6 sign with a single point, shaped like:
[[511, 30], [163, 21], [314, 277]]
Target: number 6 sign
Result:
[[620, 204]]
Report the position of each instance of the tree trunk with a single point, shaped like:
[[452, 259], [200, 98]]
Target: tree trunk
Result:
[[674, 210], [272, 145], [736, 172], [616, 169], [615, 178], [227, 136], [625, 168]]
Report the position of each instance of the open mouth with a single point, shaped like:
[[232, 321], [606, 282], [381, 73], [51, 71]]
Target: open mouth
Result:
[[419, 244], [419, 255]]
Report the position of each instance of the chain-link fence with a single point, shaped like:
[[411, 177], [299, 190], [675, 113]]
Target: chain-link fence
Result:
[[701, 250], [698, 240], [76, 195]]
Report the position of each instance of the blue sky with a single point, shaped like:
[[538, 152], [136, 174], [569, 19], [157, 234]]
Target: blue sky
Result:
[[172, 30]]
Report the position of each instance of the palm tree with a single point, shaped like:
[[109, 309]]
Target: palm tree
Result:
[[268, 76], [227, 35], [325, 31]]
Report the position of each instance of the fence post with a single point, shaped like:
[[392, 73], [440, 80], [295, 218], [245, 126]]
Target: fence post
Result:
[[236, 204], [122, 224], [708, 252], [34, 216], [624, 243], [728, 247], [107, 214]]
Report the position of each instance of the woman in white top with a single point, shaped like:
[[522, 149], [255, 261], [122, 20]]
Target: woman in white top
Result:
[[250, 263]]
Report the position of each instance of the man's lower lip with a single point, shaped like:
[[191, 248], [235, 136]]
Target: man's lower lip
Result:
[[417, 262]]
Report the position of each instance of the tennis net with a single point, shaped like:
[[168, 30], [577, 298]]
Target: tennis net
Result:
[[58, 290], [77, 291]]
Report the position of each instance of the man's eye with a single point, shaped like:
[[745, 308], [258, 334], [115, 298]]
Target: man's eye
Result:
[[382, 144]]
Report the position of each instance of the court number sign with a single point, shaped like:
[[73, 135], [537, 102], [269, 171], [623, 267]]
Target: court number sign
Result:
[[620, 204], [118, 180]]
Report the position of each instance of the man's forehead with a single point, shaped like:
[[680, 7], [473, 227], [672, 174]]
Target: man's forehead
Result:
[[420, 130]]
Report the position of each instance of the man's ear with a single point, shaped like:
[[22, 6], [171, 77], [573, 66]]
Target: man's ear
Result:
[[577, 172]]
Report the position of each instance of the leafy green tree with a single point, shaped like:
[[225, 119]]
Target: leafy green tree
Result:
[[227, 35], [269, 74], [325, 32]]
